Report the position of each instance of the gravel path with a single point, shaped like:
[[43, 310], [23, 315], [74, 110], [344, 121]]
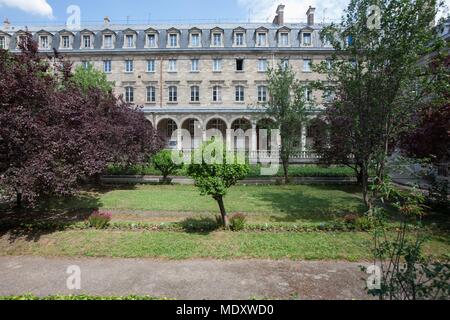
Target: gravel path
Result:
[[187, 279]]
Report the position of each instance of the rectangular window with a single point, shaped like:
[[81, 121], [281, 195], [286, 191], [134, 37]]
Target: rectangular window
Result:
[[108, 41], [239, 64], [2, 43], [107, 66], [284, 39], [195, 40], [217, 39], [173, 40], [239, 40], [129, 66], [172, 65], [85, 64], [44, 42], [195, 65], [307, 39], [308, 94], [262, 39], [217, 65], [195, 94], [151, 38], [262, 65], [65, 42], [130, 41], [173, 94], [87, 42], [151, 94], [217, 94], [262, 94], [150, 65], [307, 63], [129, 94], [240, 94]]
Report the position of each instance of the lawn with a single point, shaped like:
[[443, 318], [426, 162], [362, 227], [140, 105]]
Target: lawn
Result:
[[290, 203], [351, 246]]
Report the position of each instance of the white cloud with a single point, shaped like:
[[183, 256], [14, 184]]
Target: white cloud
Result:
[[295, 11], [37, 7]]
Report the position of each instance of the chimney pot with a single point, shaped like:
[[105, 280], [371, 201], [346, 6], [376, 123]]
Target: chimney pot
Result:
[[6, 24], [310, 15], [279, 18], [106, 21]]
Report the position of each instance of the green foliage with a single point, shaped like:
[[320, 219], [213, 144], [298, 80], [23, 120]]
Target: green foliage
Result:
[[90, 78], [438, 194], [215, 177], [164, 163], [406, 274], [99, 220], [237, 222], [288, 107]]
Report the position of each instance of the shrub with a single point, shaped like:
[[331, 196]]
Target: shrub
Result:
[[438, 194], [99, 220], [237, 222], [164, 163], [364, 223]]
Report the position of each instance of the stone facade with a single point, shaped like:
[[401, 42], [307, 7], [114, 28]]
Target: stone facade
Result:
[[125, 52]]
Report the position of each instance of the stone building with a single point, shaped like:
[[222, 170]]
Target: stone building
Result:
[[212, 75]]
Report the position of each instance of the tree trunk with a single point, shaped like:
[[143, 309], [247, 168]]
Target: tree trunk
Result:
[[286, 171], [365, 185], [223, 212], [19, 200]]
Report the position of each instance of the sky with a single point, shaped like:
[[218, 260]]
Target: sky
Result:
[[143, 11]]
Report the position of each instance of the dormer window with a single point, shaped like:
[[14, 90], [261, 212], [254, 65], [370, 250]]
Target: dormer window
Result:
[[217, 39], [195, 40], [108, 41], [65, 42], [239, 39], [173, 40], [306, 39], [44, 42], [261, 39], [151, 38], [129, 40], [86, 42], [284, 39]]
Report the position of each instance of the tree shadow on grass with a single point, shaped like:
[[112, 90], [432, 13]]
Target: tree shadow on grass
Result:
[[47, 217], [200, 225], [319, 204]]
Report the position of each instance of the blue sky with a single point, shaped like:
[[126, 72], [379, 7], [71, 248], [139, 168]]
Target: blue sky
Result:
[[54, 11]]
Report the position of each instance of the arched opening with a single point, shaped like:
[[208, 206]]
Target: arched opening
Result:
[[166, 127], [217, 124], [193, 126], [241, 134], [266, 142]]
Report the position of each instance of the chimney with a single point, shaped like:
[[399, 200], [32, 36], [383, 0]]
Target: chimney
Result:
[[6, 24], [310, 15], [279, 18], [106, 21]]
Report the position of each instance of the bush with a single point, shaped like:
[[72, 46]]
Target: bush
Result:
[[99, 220], [364, 223], [237, 222], [164, 163], [438, 195]]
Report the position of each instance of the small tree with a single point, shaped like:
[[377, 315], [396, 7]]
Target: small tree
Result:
[[91, 78], [215, 179], [287, 106], [164, 163]]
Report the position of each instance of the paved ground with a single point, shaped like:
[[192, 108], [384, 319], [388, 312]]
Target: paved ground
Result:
[[191, 279]]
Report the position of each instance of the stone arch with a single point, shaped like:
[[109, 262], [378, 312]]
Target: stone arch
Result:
[[165, 127], [217, 123], [266, 123], [188, 124]]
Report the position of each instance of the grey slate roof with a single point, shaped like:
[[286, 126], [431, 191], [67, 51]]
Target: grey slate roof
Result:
[[228, 28]]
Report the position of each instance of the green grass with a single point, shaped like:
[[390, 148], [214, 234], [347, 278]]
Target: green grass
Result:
[[255, 171], [219, 245], [290, 203]]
